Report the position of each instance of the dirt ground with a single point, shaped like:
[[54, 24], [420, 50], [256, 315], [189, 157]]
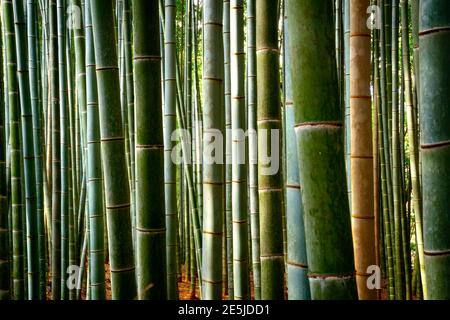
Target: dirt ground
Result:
[[184, 288]]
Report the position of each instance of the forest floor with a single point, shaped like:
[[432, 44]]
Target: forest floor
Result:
[[184, 288]]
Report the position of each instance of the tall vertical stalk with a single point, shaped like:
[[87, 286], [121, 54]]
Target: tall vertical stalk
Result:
[[347, 119], [127, 42], [361, 147], [396, 183], [253, 146], [213, 173], [94, 171], [16, 220], [55, 155], [27, 149], [123, 284], [228, 151], [5, 288], [239, 166], [412, 123], [150, 209], [33, 62], [319, 128], [297, 263], [170, 168], [435, 149], [64, 136], [269, 124]]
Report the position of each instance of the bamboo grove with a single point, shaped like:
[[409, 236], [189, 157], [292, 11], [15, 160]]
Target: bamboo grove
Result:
[[209, 149]]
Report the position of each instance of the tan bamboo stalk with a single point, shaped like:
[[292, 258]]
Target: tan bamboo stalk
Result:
[[361, 147]]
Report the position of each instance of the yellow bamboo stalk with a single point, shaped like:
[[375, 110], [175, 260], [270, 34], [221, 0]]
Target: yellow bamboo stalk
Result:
[[361, 147]]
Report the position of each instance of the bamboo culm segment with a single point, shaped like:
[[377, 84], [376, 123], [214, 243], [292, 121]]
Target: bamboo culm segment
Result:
[[253, 147], [17, 245], [228, 152], [434, 35], [297, 262], [239, 167], [94, 164], [361, 147], [123, 283], [170, 168], [269, 122], [37, 141], [319, 130], [150, 209], [412, 122], [213, 174], [5, 266]]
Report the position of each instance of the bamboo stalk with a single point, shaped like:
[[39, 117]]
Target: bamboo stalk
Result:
[[361, 148], [27, 151], [297, 262], [170, 168], [435, 148], [253, 146], [94, 171], [213, 173], [150, 209], [239, 166], [413, 144], [269, 124], [16, 221], [117, 194], [228, 151], [319, 128], [5, 265]]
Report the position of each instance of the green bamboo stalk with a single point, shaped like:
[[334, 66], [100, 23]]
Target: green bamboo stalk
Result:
[[347, 119], [190, 209], [396, 184], [213, 173], [188, 118], [5, 293], [269, 123], [94, 171], [187, 223], [37, 145], [150, 218], [123, 284], [253, 147], [386, 236], [340, 49], [80, 83], [170, 168], [435, 116], [416, 45], [386, 163], [192, 263], [17, 269], [72, 259], [239, 166], [27, 150], [74, 192], [198, 115], [320, 130], [228, 151], [23, 217], [297, 263], [55, 156], [128, 56], [64, 138], [80, 223], [413, 144]]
